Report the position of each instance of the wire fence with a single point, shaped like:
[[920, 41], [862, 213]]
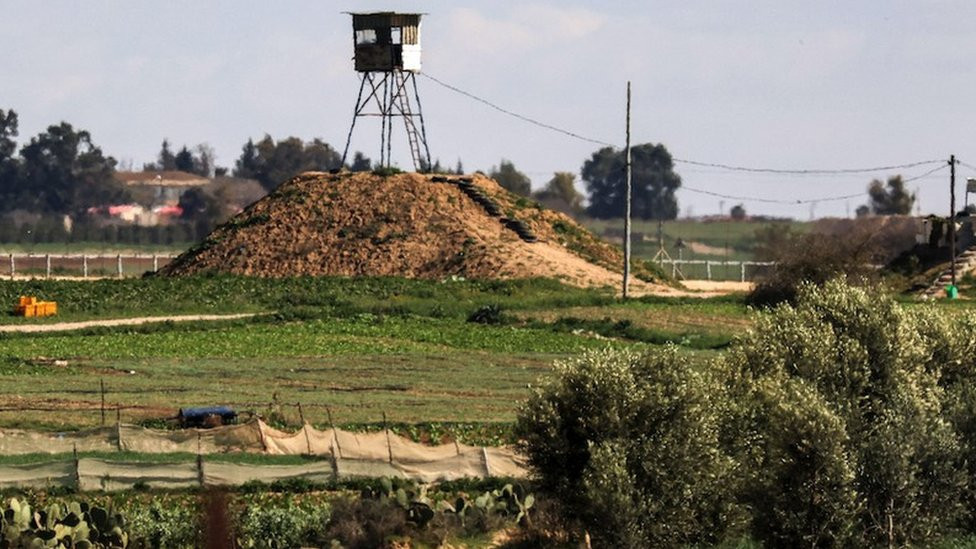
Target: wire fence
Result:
[[702, 269], [80, 265]]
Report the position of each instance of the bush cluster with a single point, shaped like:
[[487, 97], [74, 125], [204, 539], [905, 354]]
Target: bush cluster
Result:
[[843, 420]]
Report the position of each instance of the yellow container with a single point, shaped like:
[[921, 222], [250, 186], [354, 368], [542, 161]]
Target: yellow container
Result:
[[30, 306]]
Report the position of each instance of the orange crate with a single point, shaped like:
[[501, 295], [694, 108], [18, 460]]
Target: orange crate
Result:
[[30, 306]]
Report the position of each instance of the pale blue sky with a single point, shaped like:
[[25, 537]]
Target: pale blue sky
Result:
[[780, 84]]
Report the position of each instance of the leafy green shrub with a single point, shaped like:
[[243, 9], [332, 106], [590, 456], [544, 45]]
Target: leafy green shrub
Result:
[[803, 491], [387, 171], [813, 258], [856, 426], [487, 314], [280, 526], [630, 444], [161, 525], [364, 523]]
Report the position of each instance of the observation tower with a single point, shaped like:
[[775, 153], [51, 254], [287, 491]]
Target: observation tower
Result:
[[387, 55]]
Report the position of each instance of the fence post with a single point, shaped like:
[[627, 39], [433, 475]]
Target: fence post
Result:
[[708, 270], [13, 267], [484, 458], [301, 416], [200, 477], [102, 384], [674, 269], [119, 262], [389, 446], [335, 433], [74, 452], [155, 263], [47, 265], [742, 271], [84, 265]]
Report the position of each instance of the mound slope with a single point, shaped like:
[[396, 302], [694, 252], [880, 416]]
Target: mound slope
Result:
[[410, 225]]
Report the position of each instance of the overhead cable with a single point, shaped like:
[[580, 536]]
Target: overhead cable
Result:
[[812, 171], [728, 167], [800, 201], [970, 166], [516, 115]]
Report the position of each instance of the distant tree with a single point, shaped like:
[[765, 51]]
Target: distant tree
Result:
[[862, 211], [184, 160], [247, 165], [654, 183], [360, 163], [271, 162], [510, 178], [738, 212], [9, 164], [201, 210], [198, 160], [435, 168], [894, 200], [320, 156], [203, 160], [64, 172], [560, 194], [166, 160], [459, 169]]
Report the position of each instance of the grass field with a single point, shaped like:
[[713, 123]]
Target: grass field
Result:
[[732, 240], [361, 347]]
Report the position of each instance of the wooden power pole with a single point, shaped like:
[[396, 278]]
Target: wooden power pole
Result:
[[627, 212], [952, 214]]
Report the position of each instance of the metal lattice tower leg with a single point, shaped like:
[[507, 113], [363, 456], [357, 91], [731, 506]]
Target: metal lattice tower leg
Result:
[[389, 93]]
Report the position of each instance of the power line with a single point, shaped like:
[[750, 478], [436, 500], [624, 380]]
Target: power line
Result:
[[812, 171], [517, 115], [970, 166], [728, 167], [804, 200]]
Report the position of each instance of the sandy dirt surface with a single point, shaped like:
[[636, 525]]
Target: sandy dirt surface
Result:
[[717, 286], [410, 225], [67, 326]]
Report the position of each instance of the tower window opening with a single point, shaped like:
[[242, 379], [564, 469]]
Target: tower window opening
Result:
[[366, 36], [395, 35]]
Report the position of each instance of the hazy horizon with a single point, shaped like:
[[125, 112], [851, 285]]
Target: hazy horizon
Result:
[[782, 85]]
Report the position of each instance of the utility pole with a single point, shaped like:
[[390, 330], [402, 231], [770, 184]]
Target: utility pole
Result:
[[952, 214], [627, 212]]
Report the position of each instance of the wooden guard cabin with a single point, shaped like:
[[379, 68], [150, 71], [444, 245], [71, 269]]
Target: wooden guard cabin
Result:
[[387, 41]]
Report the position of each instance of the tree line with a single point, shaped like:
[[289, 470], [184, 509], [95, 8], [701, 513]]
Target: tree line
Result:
[[61, 171]]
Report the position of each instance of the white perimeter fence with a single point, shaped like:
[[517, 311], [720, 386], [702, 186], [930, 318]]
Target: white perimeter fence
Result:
[[702, 269], [80, 265], [123, 265]]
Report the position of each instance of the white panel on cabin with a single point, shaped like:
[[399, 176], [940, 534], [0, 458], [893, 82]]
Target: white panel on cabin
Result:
[[411, 57]]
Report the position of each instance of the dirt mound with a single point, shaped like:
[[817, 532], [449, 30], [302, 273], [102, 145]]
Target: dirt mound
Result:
[[410, 225]]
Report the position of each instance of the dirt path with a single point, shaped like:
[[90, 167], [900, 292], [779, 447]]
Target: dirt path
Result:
[[66, 326], [719, 286]]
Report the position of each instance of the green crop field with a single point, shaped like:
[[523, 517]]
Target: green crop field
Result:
[[361, 347], [729, 239]]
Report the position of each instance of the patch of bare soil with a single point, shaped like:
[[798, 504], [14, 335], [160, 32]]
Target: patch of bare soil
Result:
[[67, 326], [705, 249], [717, 287], [409, 225]]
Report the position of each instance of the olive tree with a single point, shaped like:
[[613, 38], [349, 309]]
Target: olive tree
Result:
[[630, 444], [874, 412]]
